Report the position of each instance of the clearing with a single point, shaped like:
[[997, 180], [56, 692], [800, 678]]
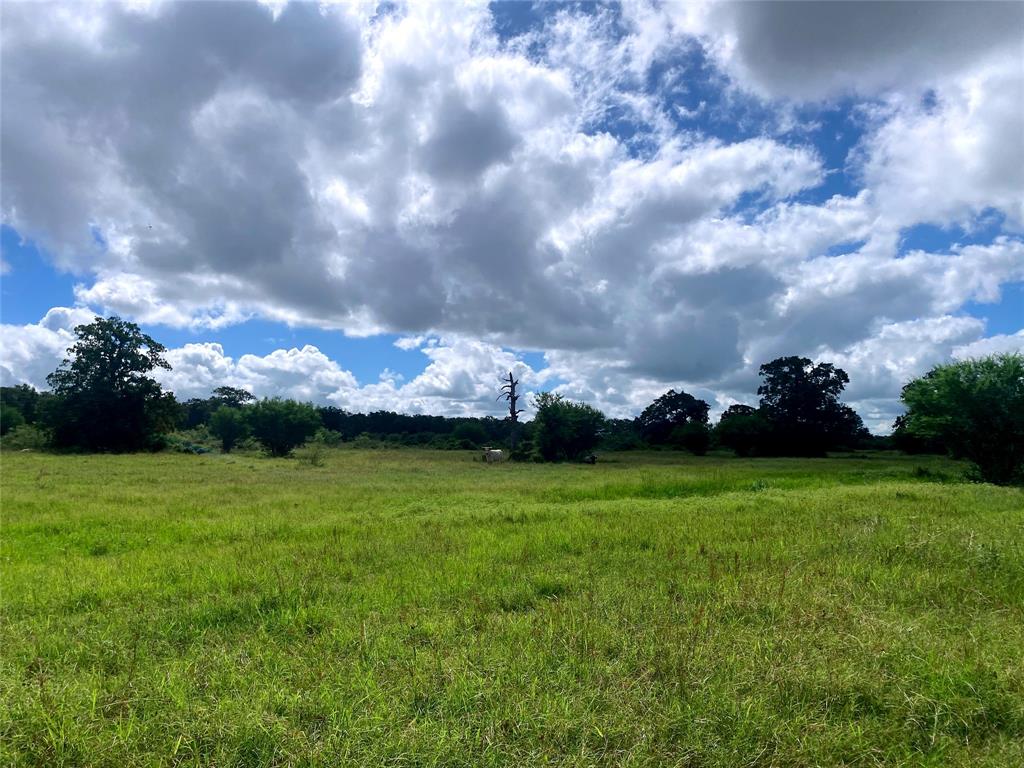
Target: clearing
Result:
[[422, 608]]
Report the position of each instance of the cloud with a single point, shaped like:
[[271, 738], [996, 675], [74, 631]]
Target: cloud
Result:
[[949, 160], [28, 353], [1008, 343], [408, 170], [461, 376], [815, 50]]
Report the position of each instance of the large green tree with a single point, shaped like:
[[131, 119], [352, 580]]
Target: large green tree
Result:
[[563, 429], [800, 399], [104, 397], [671, 410], [975, 408], [742, 428]]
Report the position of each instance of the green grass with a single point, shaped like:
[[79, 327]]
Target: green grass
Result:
[[409, 608]]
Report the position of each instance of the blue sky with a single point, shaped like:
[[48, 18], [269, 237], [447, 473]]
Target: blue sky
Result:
[[389, 207]]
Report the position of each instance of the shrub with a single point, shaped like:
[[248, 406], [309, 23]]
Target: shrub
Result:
[[312, 453], [282, 425], [366, 440], [198, 440], [25, 436], [563, 429], [329, 437]]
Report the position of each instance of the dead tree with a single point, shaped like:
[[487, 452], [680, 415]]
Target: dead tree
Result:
[[508, 392]]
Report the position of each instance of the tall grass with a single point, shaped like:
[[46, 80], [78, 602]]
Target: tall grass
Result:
[[419, 608]]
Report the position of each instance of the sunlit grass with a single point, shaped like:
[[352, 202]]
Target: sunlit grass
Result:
[[419, 608]]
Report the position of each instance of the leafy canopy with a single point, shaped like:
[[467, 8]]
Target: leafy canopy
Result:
[[673, 409], [800, 399], [233, 397], [110, 355], [282, 425], [563, 429], [104, 398], [976, 408], [742, 429], [10, 418], [229, 426]]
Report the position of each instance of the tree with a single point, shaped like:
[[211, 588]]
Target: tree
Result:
[[620, 435], [694, 436], [737, 409], [282, 425], [563, 429], [23, 399], [232, 396], [336, 420], [673, 409], [104, 399], [800, 399], [904, 440], [229, 426], [975, 408], [196, 411], [508, 392], [742, 428], [470, 434], [10, 417]]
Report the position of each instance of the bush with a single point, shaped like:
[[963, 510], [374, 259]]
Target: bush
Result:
[[282, 425], [366, 440], [565, 430], [312, 453], [198, 440], [25, 436], [328, 437]]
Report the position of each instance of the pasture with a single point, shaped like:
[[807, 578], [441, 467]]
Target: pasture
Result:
[[405, 608]]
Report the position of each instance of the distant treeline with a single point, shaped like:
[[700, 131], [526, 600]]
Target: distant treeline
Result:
[[675, 421], [102, 399], [406, 429]]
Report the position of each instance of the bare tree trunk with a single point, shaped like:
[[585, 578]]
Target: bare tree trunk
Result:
[[508, 392]]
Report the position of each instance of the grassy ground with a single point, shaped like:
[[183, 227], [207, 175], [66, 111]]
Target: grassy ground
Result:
[[411, 608]]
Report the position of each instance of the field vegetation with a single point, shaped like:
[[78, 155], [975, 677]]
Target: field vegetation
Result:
[[408, 608]]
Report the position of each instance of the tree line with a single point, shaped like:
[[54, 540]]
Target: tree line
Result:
[[103, 398]]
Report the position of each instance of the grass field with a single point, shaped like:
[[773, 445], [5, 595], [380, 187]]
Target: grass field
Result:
[[409, 608]]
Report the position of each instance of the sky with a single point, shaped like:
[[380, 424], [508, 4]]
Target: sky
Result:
[[392, 206]]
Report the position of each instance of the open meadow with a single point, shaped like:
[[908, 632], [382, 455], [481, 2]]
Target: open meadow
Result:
[[416, 608]]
